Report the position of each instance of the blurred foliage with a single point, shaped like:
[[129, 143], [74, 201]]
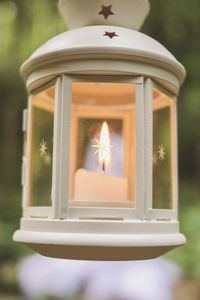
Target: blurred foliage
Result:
[[24, 25]]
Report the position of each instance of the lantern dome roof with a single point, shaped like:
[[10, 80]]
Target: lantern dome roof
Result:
[[97, 43]]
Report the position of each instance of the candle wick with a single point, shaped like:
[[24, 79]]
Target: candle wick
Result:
[[103, 167]]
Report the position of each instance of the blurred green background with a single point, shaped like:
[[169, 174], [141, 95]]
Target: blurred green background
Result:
[[25, 25]]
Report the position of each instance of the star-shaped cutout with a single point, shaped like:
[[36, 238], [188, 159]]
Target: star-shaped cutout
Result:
[[43, 148], [161, 152], [106, 11], [110, 34]]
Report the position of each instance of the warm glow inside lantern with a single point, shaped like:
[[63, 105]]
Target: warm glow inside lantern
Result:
[[100, 161], [102, 148]]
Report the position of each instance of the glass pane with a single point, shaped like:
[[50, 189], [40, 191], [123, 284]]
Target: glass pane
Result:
[[103, 145], [42, 118], [162, 151]]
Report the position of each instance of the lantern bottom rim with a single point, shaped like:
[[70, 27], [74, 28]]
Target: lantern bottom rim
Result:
[[101, 247]]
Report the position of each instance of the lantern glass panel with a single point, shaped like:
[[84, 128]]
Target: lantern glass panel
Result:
[[41, 148], [103, 144], [162, 150]]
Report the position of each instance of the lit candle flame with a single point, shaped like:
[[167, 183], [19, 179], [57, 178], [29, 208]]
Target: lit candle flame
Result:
[[103, 147]]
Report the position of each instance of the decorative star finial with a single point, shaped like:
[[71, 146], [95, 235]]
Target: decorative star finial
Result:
[[110, 34], [43, 148], [161, 152], [106, 11]]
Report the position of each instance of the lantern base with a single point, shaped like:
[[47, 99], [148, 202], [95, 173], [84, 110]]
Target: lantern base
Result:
[[103, 246]]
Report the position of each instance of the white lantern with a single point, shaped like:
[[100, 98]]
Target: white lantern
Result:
[[100, 162]]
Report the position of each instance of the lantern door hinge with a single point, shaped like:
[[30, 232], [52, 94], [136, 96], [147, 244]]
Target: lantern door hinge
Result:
[[25, 120]]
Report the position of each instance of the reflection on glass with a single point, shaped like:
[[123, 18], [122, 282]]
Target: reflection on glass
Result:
[[162, 151], [103, 151], [42, 117]]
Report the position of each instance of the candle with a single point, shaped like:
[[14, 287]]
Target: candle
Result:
[[91, 186]]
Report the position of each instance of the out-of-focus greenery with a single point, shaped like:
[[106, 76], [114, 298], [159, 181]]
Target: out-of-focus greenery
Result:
[[24, 25]]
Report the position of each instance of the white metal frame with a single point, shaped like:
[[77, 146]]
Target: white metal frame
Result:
[[150, 212], [62, 145]]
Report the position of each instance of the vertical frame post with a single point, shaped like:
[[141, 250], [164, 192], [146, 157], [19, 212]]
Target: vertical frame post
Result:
[[25, 192], [62, 128], [148, 145], [140, 149], [174, 138], [56, 149]]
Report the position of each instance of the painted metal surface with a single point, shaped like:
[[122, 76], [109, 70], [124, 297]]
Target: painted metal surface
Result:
[[127, 13], [82, 51]]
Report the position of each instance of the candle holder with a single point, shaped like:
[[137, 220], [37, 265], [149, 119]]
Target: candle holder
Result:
[[99, 169]]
